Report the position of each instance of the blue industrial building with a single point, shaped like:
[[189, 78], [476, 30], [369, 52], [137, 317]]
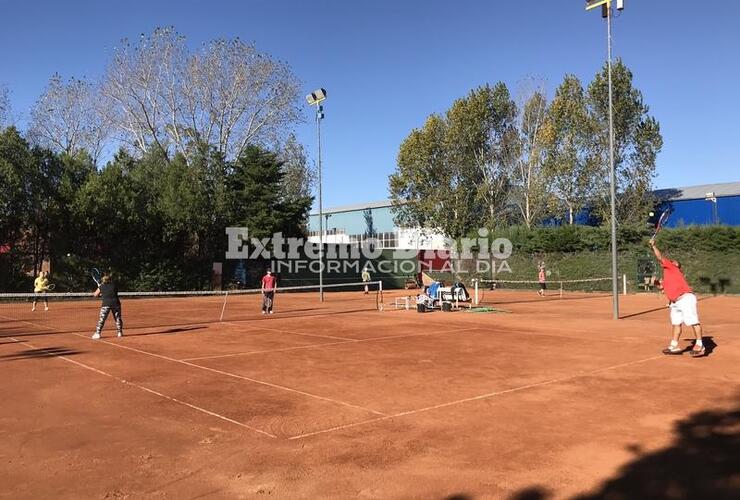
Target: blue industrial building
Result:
[[702, 205], [693, 205]]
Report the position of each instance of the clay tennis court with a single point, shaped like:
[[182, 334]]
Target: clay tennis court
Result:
[[545, 398]]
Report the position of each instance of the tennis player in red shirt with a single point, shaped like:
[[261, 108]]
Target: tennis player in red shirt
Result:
[[269, 286], [682, 303]]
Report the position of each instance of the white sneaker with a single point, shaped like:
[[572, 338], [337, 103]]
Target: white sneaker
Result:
[[120, 334], [33, 308], [270, 312], [96, 336], [263, 312], [46, 308]]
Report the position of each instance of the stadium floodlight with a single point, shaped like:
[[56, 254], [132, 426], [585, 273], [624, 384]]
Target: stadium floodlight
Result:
[[712, 198], [606, 13], [315, 98]]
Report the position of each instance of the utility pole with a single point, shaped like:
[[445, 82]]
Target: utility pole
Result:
[[315, 98], [606, 12]]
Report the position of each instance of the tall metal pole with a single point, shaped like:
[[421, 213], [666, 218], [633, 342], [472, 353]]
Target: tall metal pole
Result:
[[319, 110], [612, 176]]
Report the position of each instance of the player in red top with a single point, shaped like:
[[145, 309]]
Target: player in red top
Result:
[[542, 280], [269, 287], [682, 302]]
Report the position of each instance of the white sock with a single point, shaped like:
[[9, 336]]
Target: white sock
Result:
[[698, 342], [674, 343]]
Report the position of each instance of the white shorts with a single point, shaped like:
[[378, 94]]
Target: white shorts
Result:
[[684, 310]]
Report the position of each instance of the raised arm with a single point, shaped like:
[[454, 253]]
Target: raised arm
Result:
[[657, 253], [96, 293]]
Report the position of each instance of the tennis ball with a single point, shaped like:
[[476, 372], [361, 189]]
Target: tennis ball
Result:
[[652, 214], [69, 255]]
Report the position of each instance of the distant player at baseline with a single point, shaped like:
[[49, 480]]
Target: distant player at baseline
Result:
[[269, 287], [542, 280], [40, 287], [111, 304], [366, 277], [682, 304]]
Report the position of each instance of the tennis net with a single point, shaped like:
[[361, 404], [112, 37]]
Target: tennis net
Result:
[[79, 311], [554, 287]]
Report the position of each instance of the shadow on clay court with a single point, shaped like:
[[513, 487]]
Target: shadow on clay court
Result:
[[655, 309], [703, 461], [181, 329], [46, 352], [26, 331], [709, 345], [459, 496]]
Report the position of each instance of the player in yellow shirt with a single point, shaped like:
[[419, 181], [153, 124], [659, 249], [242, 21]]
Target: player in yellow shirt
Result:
[[40, 287]]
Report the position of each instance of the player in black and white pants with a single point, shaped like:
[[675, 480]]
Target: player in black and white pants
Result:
[[111, 304]]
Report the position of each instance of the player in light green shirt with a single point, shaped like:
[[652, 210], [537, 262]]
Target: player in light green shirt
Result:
[[366, 277]]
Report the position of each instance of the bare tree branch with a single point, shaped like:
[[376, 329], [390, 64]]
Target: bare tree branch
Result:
[[66, 118]]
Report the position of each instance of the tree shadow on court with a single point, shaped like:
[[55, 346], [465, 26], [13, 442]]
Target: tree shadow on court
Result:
[[182, 329], [45, 352], [702, 462], [533, 493]]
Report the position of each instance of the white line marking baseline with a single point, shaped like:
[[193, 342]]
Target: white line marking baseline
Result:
[[240, 377], [151, 391]]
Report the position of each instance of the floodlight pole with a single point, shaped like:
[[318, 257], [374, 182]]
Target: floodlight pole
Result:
[[315, 98], [319, 116], [606, 12], [612, 174]]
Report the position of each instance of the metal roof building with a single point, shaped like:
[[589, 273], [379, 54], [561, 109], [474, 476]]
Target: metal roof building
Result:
[[691, 205]]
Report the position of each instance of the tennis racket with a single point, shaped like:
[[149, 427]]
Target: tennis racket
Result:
[[96, 276], [661, 221], [51, 287]]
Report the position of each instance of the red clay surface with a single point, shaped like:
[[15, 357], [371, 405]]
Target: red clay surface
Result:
[[547, 398]]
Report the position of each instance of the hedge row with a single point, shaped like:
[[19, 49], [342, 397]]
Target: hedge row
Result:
[[570, 239]]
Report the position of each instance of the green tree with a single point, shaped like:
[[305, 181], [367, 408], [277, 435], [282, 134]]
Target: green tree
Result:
[[299, 176], [257, 201], [16, 184], [570, 161], [637, 142], [453, 174], [481, 129], [530, 183], [430, 188]]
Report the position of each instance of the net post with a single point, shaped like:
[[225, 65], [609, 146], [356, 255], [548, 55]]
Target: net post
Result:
[[561, 289], [475, 287], [223, 308], [624, 284], [380, 292]]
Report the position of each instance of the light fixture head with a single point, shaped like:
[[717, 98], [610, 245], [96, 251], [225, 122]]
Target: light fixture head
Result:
[[316, 96]]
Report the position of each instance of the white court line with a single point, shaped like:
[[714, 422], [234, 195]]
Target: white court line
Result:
[[152, 391], [474, 398], [234, 375], [228, 374], [318, 346], [283, 331]]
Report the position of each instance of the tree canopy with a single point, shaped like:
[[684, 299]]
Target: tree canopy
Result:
[[491, 160]]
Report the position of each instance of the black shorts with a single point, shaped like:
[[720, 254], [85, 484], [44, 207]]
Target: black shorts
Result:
[[543, 286]]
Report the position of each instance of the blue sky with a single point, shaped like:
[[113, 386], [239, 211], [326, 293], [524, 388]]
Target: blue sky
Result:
[[388, 64]]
